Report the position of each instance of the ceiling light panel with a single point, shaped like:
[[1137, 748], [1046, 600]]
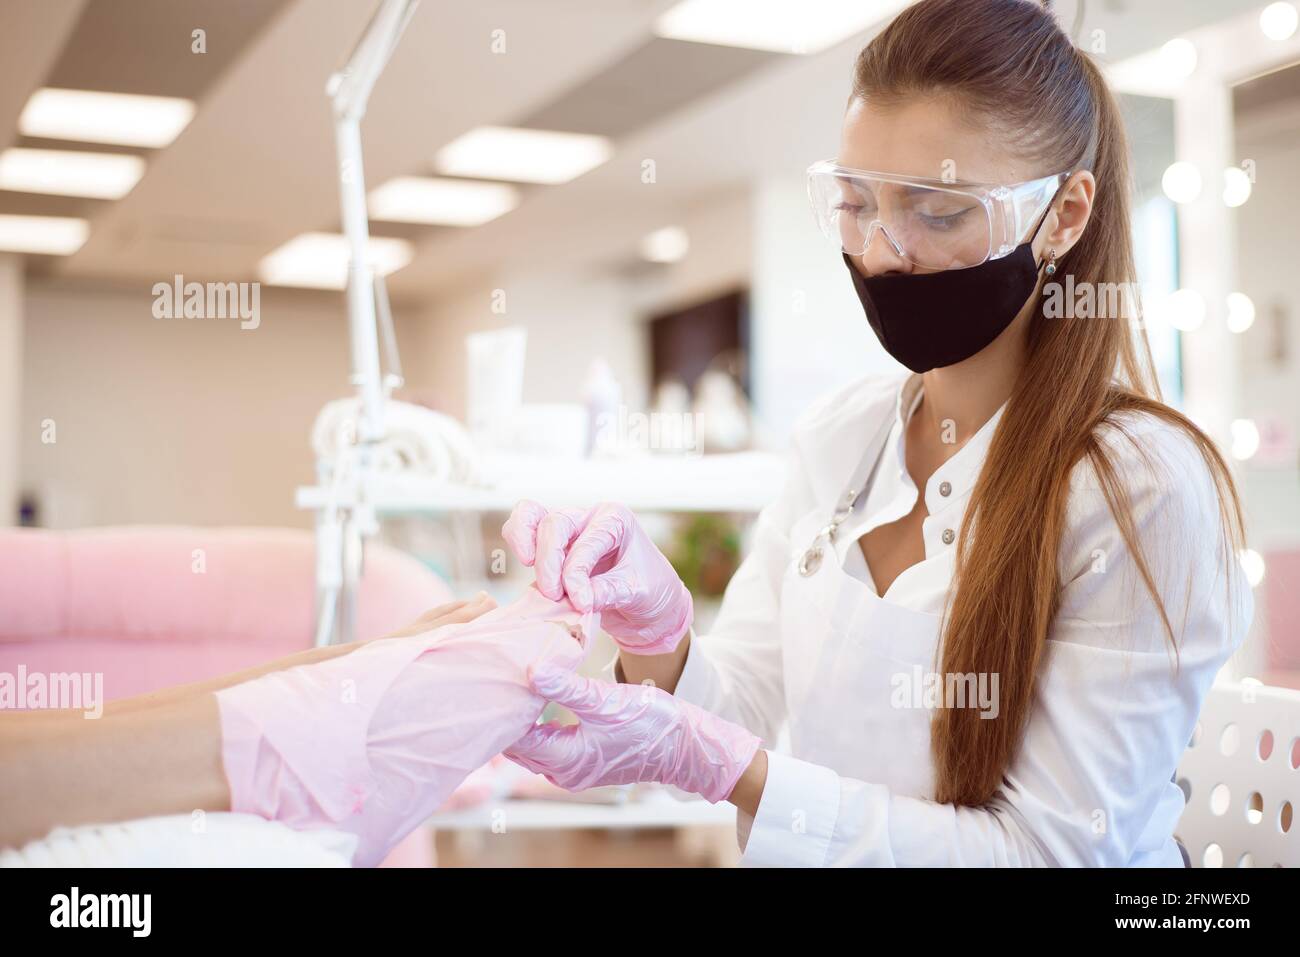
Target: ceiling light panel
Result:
[[441, 202], [522, 155], [48, 235], [69, 173], [90, 116], [320, 260], [781, 26]]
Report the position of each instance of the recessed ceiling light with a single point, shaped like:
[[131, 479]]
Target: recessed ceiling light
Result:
[[1178, 58], [50, 235], [441, 202], [1184, 309], [1245, 439], [68, 173], [781, 26], [90, 116], [1236, 186], [1254, 565], [667, 245], [1241, 312], [320, 260], [1278, 21], [522, 156], [1181, 182]]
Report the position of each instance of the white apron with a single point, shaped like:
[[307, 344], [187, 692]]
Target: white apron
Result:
[[846, 650]]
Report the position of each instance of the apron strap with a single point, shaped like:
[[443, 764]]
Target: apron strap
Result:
[[854, 493], [864, 475]]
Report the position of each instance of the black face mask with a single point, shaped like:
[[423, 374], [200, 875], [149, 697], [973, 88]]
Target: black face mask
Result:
[[938, 319]]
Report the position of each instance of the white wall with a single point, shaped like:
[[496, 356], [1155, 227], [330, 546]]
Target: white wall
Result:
[[198, 421], [720, 259], [809, 332], [575, 316], [571, 318], [174, 420]]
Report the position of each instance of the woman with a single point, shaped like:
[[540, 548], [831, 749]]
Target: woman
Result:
[[993, 595]]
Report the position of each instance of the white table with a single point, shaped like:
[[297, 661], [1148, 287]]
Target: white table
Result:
[[652, 809], [704, 832]]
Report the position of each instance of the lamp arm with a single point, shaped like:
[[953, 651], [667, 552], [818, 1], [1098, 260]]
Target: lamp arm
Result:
[[349, 89]]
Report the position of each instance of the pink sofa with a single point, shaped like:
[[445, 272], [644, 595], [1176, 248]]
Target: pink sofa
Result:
[[153, 607]]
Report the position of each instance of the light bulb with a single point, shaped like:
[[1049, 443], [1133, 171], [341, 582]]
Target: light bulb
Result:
[[1181, 182]]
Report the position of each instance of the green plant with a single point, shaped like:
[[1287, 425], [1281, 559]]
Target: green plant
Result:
[[706, 553]]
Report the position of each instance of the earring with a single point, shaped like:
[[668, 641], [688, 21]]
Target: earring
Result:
[[1051, 262]]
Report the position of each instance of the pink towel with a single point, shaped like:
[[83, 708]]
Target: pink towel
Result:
[[374, 741]]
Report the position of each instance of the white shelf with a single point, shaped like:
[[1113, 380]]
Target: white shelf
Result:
[[739, 482]]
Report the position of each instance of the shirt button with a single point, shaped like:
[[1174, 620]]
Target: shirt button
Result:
[[945, 489], [948, 536]]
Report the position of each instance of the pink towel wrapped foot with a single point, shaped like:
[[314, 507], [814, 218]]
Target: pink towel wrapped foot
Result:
[[372, 742]]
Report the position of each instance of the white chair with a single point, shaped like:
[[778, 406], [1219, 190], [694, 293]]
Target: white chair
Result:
[[1241, 777]]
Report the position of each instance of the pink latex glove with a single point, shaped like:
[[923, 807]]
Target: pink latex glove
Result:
[[629, 734], [373, 741], [604, 561]]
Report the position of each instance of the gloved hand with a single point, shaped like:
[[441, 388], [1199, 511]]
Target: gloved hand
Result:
[[373, 741], [605, 562], [632, 733]]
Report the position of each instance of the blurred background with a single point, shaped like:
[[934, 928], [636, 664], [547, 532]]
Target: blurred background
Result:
[[605, 283]]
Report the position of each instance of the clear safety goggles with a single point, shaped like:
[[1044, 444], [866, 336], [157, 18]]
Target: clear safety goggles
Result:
[[930, 223]]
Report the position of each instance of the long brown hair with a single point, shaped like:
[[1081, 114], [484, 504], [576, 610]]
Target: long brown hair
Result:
[[1008, 64]]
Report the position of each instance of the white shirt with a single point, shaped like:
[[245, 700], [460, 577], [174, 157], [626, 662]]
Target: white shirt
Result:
[[1091, 783], [893, 495]]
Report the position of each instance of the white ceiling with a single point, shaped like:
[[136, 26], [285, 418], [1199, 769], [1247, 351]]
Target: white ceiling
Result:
[[256, 166]]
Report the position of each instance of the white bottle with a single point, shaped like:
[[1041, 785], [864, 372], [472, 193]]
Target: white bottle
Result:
[[602, 395]]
